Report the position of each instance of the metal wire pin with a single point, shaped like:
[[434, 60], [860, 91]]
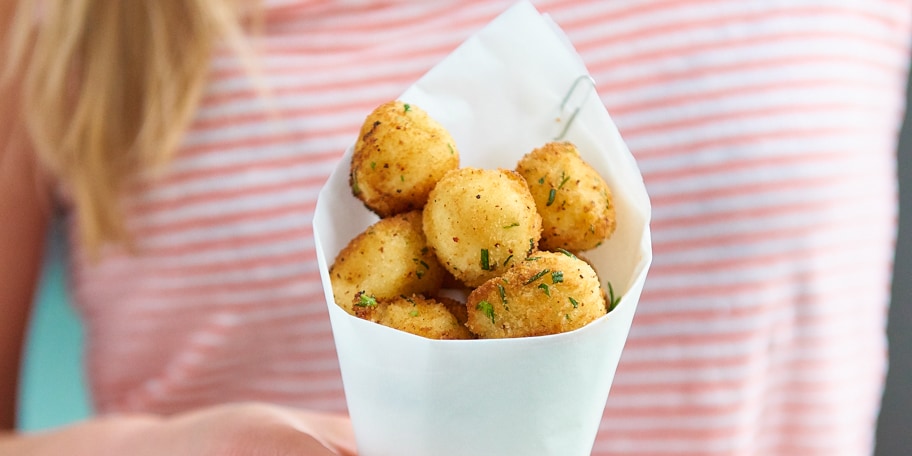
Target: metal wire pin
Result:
[[563, 105]]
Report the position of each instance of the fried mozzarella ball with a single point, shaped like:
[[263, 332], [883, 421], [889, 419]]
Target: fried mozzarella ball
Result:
[[547, 293], [400, 155], [572, 198], [457, 308], [480, 221], [426, 317], [388, 259]]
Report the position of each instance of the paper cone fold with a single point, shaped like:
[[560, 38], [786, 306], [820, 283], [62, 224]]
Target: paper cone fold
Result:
[[499, 95]]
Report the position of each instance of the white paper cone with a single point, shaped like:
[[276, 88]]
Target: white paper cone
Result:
[[499, 95]]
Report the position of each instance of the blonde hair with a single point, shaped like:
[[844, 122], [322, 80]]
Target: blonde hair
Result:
[[108, 87]]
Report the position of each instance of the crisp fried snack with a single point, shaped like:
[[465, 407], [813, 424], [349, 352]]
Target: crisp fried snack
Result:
[[573, 200], [479, 221], [388, 259], [547, 293], [502, 237], [426, 317], [400, 154], [457, 308]]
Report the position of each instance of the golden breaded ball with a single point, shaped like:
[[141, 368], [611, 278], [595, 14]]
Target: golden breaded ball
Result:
[[389, 258], [400, 155], [425, 317], [548, 293], [572, 198], [457, 308], [479, 221]]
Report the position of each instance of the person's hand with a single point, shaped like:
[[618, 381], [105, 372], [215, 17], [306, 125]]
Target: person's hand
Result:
[[227, 430], [242, 429]]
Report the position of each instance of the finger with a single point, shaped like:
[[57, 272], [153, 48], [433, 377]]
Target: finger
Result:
[[332, 430]]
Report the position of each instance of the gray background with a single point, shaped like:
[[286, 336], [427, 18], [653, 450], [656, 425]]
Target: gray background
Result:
[[894, 436]]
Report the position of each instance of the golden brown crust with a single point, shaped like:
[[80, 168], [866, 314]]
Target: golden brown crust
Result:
[[470, 230], [415, 314], [457, 308], [479, 221], [574, 201], [389, 258], [400, 155], [548, 293]]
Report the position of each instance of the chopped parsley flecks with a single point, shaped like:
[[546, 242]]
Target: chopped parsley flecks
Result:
[[512, 225], [422, 268], [507, 260], [551, 195], [573, 301], [566, 252], [557, 276], [537, 276], [612, 299], [356, 190], [408, 107], [564, 180], [486, 308], [366, 300], [545, 288], [485, 260]]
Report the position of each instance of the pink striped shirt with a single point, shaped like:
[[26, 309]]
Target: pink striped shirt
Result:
[[766, 134]]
